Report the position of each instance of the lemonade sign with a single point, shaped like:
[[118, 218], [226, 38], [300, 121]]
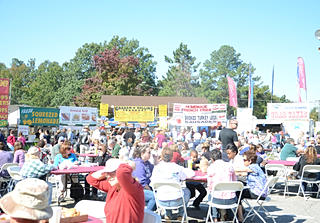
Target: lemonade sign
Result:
[[33, 116]]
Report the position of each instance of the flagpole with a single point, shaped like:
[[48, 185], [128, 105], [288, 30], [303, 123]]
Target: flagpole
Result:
[[272, 83], [249, 87]]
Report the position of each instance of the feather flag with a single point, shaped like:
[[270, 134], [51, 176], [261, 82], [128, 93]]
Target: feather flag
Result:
[[232, 93], [298, 85], [302, 74]]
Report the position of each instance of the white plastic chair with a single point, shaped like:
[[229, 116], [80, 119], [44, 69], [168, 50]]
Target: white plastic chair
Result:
[[174, 186], [253, 212], [281, 173], [14, 172], [310, 169], [93, 208], [225, 187], [151, 217]]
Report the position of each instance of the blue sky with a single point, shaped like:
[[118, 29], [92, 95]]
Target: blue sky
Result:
[[266, 33]]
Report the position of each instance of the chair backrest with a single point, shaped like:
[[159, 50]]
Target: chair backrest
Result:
[[228, 186], [14, 172], [151, 217], [7, 165], [280, 168], [311, 169]]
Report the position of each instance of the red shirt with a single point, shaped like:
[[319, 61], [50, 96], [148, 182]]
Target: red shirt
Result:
[[125, 205]]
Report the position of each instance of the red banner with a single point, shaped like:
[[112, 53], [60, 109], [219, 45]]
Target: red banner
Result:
[[232, 93], [302, 74], [4, 100]]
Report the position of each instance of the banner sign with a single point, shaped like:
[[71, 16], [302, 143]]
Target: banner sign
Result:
[[32, 116], [78, 115], [203, 108], [288, 111], [163, 110], [233, 99], [24, 129], [199, 119], [104, 109], [134, 113], [4, 101]]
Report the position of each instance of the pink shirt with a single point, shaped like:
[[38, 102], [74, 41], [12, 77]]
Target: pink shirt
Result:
[[221, 171]]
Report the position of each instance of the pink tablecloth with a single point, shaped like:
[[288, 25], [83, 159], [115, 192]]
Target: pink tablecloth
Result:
[[93, 220], [198, 177], [78, 169], [88, 155], [284, 162]]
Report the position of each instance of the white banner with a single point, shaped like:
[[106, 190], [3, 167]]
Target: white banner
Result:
[[198, 119], [24, 129], [201, 108], [78, 115], [288, 111]]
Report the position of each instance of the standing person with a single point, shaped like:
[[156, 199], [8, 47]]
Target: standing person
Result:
[[22, 139], [143, 173], [160, 138], [11, 139], [125, 200], [228, 135], [145, 136], [19, 154], [47, 136], [84, 138], [128, 135], [5, 157]]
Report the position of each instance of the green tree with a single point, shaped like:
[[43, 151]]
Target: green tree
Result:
[[314, 114], [180, 79]]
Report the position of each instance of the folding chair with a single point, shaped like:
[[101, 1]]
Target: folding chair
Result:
[[14, 172], [151, 217], [310, 169], [253, 212], [225, 187], [175, 186], [281, 172]]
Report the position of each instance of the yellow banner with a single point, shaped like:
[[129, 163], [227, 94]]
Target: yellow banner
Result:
[[134, 113], [163, 110], [104, 109]]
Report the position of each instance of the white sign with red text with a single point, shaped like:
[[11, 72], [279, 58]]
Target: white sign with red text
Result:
[[195, 108], [288, 111]]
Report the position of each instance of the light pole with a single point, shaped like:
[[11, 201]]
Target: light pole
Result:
[[317, 34]]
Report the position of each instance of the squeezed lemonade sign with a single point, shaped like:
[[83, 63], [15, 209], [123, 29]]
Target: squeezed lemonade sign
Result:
[[134, 113], [39, 116]]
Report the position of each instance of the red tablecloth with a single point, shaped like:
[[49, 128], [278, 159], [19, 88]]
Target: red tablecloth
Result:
[[78, 169], [284, 162]]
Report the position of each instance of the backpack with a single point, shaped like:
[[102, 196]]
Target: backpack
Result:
[[76, 191]]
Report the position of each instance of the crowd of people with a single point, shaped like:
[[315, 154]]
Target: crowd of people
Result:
[[136, 159]]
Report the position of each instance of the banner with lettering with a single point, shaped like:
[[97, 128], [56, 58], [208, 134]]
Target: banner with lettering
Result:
[[78, 115], [199, 119], [163, 110], [134, 113], [4, 101], [288, 111], [104, 108], [32, 116], [203, 108]]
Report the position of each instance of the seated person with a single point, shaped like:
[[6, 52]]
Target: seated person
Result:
[[256, 180], [289, 150], [32, 205], [220, 171], [167, 171], [65, 157], [125, 200], [143, 173], [5, 157], [308, 158], [193, 186], [19, 153]]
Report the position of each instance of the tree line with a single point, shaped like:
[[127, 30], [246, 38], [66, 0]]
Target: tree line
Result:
[[123, 67]]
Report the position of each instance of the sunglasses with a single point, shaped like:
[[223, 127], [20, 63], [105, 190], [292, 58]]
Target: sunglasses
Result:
[[244, 160]]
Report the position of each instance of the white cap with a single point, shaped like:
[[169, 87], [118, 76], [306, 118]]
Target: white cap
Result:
[[112, 165]]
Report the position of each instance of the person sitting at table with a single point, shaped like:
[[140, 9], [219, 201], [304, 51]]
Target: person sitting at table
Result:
[[101, 159], [64, 158], [56, 148], [5, 157], [256, 180], [114, 147], [11, 139], [289, 150], [19, 153], [28, 202], [143, 173], [220, 171], [167, 171], [125, 200], [193, 186], [22, 139], [308, 158]]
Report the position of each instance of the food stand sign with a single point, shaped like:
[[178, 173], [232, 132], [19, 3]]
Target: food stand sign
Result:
[[288, 111], [78, 115], [134, 113], [4, 101], [33, 116]]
